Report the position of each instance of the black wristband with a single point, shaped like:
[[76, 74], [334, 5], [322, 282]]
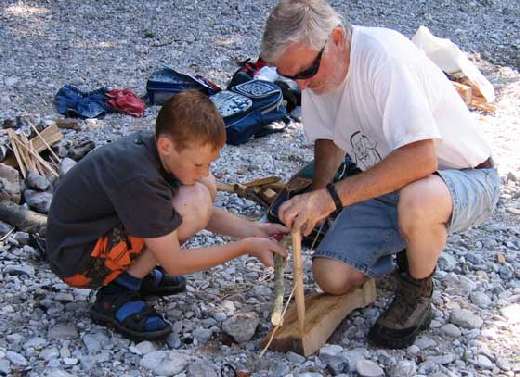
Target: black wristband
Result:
[[334, 194]]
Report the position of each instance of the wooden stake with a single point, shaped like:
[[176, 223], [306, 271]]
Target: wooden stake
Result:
[[298, 279]]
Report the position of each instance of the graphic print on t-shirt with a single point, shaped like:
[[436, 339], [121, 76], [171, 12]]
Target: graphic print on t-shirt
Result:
[[364, 150]]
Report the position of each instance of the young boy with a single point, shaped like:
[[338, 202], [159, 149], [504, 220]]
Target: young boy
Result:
[[119, 217]]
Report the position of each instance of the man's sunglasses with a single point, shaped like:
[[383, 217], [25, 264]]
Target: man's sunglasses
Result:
[[311, 71]]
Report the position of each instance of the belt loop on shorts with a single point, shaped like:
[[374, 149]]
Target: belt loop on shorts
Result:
[[488, 164]]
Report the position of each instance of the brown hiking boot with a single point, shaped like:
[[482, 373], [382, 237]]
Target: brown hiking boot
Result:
[[408, 314]]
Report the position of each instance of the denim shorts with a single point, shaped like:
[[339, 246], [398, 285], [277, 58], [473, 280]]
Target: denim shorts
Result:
[[366, 235]]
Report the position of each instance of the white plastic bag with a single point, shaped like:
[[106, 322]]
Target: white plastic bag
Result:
[[448, 57]]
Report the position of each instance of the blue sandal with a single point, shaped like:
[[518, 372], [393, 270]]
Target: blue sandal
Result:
[[158, 283], [130, 316]]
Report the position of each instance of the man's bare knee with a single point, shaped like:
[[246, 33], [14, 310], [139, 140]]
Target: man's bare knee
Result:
[[424, 202], [335, 277]]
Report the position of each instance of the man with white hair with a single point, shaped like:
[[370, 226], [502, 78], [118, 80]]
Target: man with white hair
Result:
[[426, 172]]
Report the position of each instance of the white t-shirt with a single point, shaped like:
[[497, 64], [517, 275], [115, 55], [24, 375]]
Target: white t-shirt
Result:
[[393, 95]]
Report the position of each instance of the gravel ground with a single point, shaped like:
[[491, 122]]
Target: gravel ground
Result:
[[47, 332]]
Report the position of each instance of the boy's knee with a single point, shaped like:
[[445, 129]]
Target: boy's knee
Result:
[[199, 200], [194, 204], [211, 183]]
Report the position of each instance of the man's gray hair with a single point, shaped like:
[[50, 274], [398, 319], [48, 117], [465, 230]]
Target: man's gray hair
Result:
[[306, 21]]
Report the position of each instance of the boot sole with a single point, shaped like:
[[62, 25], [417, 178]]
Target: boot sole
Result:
[[397, 343], [107, 321]]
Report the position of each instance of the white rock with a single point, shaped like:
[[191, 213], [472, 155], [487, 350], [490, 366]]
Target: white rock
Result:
[[202, 368], [5, 366], [143, 347], [295, 358], [241, 326], [70, 361], [367, 368], [451, 330], [466, 319], [49, 353], [330, 352], [403, 368], [484, 363], [511, 312], [35, 343], [63, 331], [165, 363], [441, 359], [92, 343], [480, 299], [425, 342], [16, 358]]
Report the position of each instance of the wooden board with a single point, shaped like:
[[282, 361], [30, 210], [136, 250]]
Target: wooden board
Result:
[[464, 91], [323, 315], [50, 135]]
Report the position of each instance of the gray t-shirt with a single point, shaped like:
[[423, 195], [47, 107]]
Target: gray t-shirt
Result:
[[122, 183]]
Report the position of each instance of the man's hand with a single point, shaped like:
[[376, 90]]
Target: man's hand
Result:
[[305, 211], [263, 249]]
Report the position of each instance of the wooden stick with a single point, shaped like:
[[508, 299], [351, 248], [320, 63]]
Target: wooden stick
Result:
[[24, 143], [13, 138], [279, 290], [298, 279]]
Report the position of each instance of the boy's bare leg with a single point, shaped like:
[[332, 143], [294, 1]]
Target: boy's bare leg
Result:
[[194, 204]]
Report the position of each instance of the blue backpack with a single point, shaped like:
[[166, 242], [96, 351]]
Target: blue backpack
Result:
[[248, 108], [166, 82]]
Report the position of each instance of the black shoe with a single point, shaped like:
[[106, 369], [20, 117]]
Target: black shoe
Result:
[[158, 283], [409, 313], [122, 309]]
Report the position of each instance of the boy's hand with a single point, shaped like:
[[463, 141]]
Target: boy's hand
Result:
[[263, 249], [270, 230]]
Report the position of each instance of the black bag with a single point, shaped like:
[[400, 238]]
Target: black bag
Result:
[[166, 82], [248, 107], [301, 183]]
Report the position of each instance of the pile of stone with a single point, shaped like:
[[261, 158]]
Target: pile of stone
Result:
[[32, 158]]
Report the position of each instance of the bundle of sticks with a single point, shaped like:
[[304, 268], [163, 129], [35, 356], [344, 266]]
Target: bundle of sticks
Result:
[[471, 95], [261, 190], [27, 152]]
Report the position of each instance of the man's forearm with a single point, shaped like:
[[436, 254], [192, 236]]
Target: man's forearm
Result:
[[327, 158], [398, 169]]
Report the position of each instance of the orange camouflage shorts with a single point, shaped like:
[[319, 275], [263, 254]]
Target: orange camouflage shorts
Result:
[[111, 256]]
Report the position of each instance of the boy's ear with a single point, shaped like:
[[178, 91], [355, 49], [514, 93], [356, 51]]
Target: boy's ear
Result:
[[164, 145]]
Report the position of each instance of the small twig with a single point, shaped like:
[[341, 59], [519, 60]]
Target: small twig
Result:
[[275, 329], [318, 234], [7, 234]]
